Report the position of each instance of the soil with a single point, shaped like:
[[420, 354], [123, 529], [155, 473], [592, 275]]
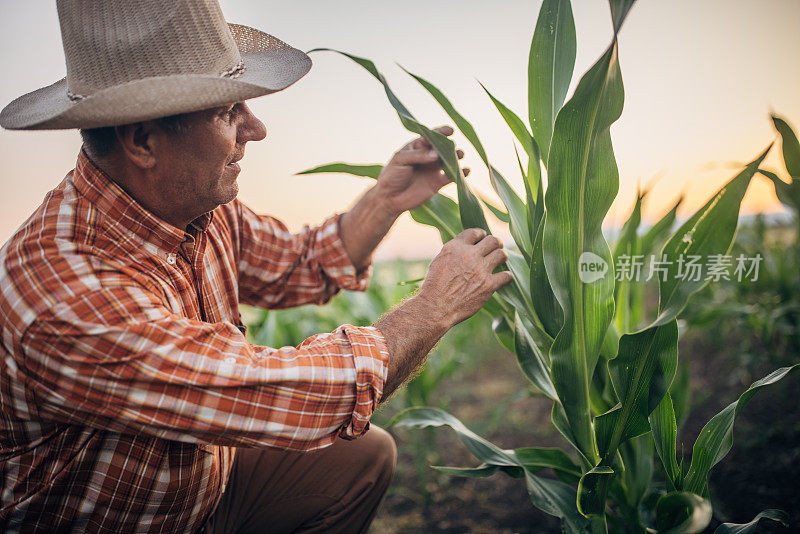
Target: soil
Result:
[[762, 471]]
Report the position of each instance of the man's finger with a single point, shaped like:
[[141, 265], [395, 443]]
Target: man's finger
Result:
[[472, 235], [444, 130], [496, 258], [415, 157], [498, 280], [489, 244]]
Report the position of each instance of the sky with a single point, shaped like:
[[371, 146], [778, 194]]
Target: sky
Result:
[[701, 78]]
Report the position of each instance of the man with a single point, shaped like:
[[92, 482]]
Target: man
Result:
[[130, 398]]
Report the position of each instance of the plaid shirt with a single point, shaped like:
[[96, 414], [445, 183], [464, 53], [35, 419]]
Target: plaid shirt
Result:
[[126, 379]]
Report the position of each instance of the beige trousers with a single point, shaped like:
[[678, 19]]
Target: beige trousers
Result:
[[336, 489]]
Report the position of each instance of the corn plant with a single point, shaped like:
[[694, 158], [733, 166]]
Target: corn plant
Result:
[[788, 193], [583, 339]]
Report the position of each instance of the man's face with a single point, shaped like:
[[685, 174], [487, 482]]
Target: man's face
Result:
[[198, 164]]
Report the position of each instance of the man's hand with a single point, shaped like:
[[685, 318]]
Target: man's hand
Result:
[[460, 278], [413, 175], [459, 282]]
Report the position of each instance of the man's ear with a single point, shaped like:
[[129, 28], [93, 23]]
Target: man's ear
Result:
[[138, 143]]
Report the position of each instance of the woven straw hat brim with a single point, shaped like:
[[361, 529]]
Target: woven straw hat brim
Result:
[[270, 66]]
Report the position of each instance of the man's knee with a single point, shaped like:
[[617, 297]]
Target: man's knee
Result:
[[382, 453]]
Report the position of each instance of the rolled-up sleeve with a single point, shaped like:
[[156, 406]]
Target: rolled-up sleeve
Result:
[[115, 359]]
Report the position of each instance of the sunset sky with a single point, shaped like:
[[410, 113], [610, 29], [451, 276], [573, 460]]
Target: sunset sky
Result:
[[701, 79]]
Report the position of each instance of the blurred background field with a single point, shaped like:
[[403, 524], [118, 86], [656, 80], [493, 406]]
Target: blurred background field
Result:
[[735, 332]]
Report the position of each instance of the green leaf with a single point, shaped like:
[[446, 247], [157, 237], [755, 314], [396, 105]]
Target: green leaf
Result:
[[659, 231], [532, 361], [583, 181], [461, 123], [514, 204], [682, 512], [641, 373], [497, 212], [503, 331], [482, 471], [592, 490], [665, 432], [748, 528], [716, 437], [367, 171], [619, 11], [626, 244], [550, 65], [533, 458], [637, 457], [515, 123], [544, 300], [709, 231], [551, 496], [791, 147], [646, 363], [469, 207], [628, 310], [440, 211]]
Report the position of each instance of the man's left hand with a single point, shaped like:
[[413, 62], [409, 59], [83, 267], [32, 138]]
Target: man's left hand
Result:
[[413, 175]]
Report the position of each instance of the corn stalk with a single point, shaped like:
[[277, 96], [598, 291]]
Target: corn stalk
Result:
[[577, 334]]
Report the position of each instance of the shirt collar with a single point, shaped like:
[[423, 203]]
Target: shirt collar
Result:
[[99, 189]]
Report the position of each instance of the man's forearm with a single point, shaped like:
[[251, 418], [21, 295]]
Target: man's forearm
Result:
[[411, 330], [363, 227]]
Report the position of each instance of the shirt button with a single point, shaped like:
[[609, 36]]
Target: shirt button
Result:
[[171, 258]]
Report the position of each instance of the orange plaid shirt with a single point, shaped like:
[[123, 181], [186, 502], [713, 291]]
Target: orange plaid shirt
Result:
[[126, 380]]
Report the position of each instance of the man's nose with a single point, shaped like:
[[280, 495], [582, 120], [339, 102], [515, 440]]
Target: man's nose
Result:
[[251, 128]]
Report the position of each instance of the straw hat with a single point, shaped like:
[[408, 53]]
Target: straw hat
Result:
[[129, 61]]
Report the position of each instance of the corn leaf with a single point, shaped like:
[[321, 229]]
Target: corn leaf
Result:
[[546, 457], [367, 171], [790, 146], [748, 528], [497, 212], [516, 124], [583, 181], [482, 471], [637, 457], [592, 489], [551, 496], [681, 512], [709, 231], [647, 360], [516, 207], [628, 310], [788, 195], [716, 437], [440, 211], [550, 65], [653, 238], [532, 361], [665, 433], [469, 207]]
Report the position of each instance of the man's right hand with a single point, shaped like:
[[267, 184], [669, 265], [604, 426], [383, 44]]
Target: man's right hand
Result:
[[460, 278], [459, 282]]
